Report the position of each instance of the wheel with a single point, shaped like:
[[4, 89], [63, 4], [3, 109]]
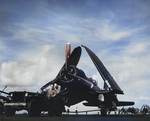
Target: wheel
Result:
[[57, 105], [1, 108], [34, 108], [9, 111], [58, 112], [103, 110], [58, 108], [50, 113]]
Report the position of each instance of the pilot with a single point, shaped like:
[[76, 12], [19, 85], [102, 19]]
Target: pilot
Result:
[[85, 77]]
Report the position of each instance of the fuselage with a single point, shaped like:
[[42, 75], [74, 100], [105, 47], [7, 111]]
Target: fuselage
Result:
[[78, 88]]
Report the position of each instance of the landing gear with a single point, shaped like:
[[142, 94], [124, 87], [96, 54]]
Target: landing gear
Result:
[[9, 111], [34, 108], [58, 112], [59, 106], [103, 110], [55, 112], [56, 106], [1, 108], [50, 113]]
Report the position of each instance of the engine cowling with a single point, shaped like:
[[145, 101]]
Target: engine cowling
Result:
[[70, 70]]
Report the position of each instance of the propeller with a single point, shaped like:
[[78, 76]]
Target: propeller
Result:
[[71, 61]]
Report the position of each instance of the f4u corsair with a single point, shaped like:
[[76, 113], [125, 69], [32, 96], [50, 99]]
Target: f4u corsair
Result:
[[76, 87], [70, 87]]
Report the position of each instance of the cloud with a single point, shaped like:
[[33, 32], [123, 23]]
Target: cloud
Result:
[[31, 34], [3, 50], [130, 69], [105, 30], [144, 98], [113, 33], [138, 48], [33, 39], [32, 68], [2, 46]]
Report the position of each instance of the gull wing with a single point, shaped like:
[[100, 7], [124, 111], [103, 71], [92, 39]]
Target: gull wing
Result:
[[108, 79]]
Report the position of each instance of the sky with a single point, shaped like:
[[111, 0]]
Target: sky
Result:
[[33, 37]]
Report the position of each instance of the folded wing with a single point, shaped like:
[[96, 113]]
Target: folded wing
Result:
[[108, 79]]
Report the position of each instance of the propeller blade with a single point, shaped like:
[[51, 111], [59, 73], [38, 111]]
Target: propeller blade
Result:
[[75, 56], [68, 51]]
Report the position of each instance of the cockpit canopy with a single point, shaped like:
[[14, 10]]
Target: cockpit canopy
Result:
[[82, 74]]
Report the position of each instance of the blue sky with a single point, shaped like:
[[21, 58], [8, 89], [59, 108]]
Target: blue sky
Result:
[[33, 36]]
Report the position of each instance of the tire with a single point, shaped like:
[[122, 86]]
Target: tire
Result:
[[50, 113], [57, 108], [57, 105], [103, 110], [58, 112], [34, 108], [1, 108], [9, 111]]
